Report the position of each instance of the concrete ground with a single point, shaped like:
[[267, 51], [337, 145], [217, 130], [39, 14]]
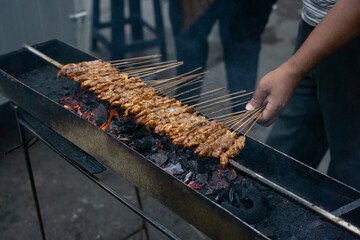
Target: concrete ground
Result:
[[75, 208]]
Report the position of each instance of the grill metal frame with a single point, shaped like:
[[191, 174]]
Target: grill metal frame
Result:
[[209, 217]]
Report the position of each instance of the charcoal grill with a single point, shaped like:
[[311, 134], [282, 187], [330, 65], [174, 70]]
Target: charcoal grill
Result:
[[292, 179]]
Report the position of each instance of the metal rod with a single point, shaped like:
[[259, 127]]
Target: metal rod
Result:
[[331, 217], [141, 207], [43, 56], [347, 208], [28, 142], [108, 189], [132, 234], [30, 172]]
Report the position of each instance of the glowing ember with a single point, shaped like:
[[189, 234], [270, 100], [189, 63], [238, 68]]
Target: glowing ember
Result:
[[112, 113]]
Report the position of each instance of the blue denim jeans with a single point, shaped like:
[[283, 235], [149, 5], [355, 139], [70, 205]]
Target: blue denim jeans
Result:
[[324, 114], [241, 24]]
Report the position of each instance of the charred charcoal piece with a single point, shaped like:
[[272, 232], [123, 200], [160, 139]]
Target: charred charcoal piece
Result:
[[182, 160], [210, 191], [202, 177], [222, 195], [154, 148], [145, 142], [200, 181], [70, 103], [170, 147], [159, 158], [140, 131], [99, 115], [124, 125], [202, 166], [189, 152], [217, 182], [245, 201], [124, 137], [188, 177], [164, 139], [174, 169], [192, 165], [234, 196], [172, 158], [84, 108]]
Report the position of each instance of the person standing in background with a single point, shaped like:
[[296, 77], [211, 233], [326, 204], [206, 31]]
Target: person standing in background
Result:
[[323, 76], [241, 23]]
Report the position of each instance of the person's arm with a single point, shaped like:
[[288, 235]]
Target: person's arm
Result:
[[339, 27]]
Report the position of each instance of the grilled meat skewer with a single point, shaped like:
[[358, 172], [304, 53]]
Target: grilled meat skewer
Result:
[[161, 114]]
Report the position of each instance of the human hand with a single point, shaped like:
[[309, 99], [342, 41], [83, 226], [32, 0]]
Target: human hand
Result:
[[275, 90]]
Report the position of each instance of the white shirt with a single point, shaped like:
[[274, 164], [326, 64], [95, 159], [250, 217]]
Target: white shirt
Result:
[[315, 10]]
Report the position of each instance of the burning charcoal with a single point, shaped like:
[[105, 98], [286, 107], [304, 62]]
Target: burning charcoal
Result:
[[188, 177], [145, 142], [123, 137], [69, 103], [218, 182], [226, 176], [199, 182], [84, 108], [159, 158], [174, 169]]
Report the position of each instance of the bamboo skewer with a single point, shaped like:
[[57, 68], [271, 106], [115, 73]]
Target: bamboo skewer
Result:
[[134, 63], [170, 84], [133, 59], [194, 81], [181, 80], [159, 82], [148, 65], [193, 89], [161, 70], [253, 115], [145, 70], [231, 94], [257, 118], [214, 90], [176, 84], [224, 106], [204, 96], [235, 97], [229, 114]]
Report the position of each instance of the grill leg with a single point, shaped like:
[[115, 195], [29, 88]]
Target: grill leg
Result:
[[144, 226], [30, 172]]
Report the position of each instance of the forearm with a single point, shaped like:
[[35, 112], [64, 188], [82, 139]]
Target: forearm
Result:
[[339, 27]]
